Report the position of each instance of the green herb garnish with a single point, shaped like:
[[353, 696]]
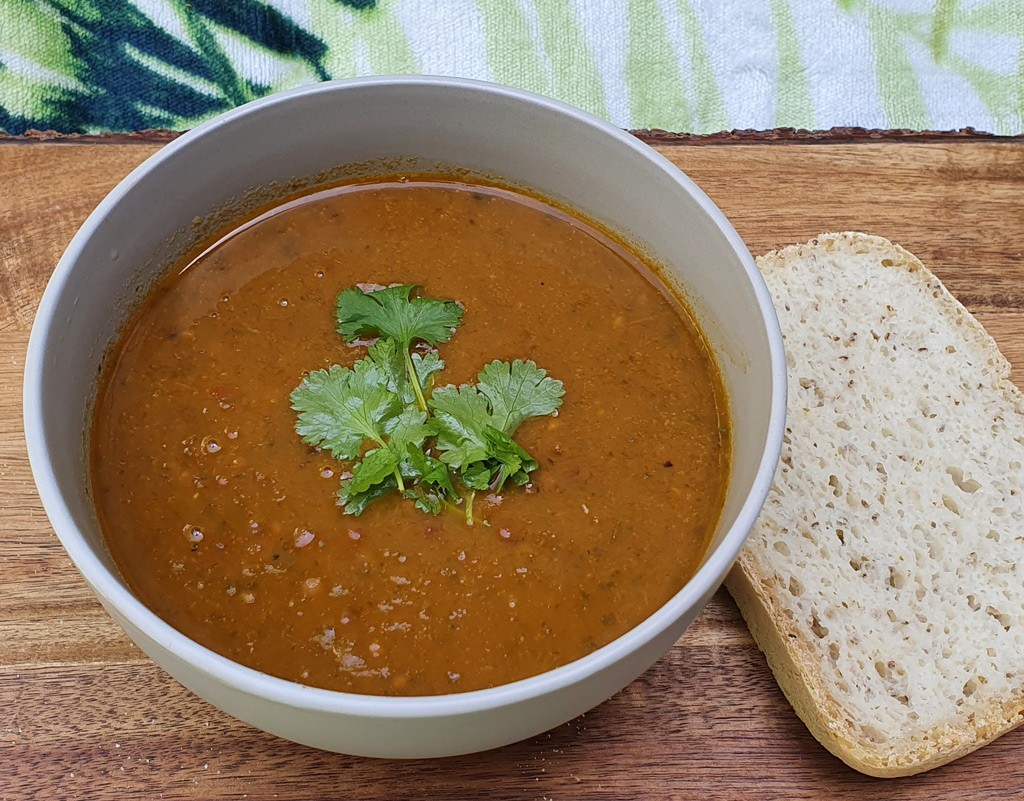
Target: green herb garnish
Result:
[[393, 314], [437, 451], [475, 423]]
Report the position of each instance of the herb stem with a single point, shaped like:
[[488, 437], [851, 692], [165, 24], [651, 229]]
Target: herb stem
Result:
[[415, 381], [467, 510], [398, 473]]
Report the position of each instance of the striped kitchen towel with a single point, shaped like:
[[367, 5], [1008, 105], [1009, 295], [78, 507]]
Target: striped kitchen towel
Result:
[[697, 66]]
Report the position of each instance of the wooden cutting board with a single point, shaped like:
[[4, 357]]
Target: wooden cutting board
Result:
[[84, 714]]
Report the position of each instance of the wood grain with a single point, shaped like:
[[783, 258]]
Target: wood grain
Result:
[[84, 714]]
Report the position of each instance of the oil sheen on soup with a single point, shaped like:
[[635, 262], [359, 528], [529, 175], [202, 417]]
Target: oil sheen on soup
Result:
[[227, 526]]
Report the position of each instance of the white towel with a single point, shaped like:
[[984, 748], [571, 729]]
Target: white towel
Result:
[[697, 66]]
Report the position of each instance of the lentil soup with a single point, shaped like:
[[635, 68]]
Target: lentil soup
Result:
[[226, 525]]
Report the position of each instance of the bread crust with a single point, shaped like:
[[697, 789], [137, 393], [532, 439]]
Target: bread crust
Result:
[[798, 668]]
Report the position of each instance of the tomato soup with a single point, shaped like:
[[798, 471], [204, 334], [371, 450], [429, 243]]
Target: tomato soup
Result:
[[227, 525]]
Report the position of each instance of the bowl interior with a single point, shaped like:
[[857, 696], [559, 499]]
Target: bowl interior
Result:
[[237, 159]]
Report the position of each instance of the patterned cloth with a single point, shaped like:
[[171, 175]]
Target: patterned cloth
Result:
[[696, 66]]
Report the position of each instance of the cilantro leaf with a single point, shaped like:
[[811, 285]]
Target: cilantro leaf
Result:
[[339, 408], [355, 503], [460, 415], [389, 359], [386, 355], [478, 475], [377, 466], [427, 366], [517, 391], [392, 313], [407, 429], [506, 459], [504, 395], [516, 463], [405, 434], [429, 471], [473, 424], [433, 488]]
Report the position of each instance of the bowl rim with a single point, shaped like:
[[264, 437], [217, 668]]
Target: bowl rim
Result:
[[109, 587]]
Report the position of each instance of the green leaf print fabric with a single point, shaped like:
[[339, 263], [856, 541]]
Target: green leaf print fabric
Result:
[[697, 66]]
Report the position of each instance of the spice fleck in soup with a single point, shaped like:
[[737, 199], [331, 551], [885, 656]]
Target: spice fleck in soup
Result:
[[228, 525]]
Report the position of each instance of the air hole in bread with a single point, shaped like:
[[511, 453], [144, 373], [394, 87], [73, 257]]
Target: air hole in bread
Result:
[[843, 425], [971, 686], [781, 547], [833, 481], [972, 601], [950, 504], [968, 485], [841, 536], [856, 563], [1003, 619], [897, 580], [820, 631], [796, 589], [873, 734]]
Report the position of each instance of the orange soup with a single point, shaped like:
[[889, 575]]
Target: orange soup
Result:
[[228, 525]]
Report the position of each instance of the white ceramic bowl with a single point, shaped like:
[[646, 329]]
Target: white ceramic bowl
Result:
[[557, 150]]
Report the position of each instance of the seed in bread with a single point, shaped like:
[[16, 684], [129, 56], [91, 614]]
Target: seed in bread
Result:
[[884, 579]]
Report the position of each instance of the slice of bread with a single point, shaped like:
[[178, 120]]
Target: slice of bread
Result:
[[884, 579]]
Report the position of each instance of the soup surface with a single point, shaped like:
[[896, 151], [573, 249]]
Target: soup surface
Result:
[[226, 525]]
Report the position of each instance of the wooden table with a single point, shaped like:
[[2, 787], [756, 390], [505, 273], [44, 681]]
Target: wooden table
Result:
[[84, 714]]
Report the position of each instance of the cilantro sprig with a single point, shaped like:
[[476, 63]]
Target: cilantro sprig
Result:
[[436, 447], [474, 423], [393, 314]]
